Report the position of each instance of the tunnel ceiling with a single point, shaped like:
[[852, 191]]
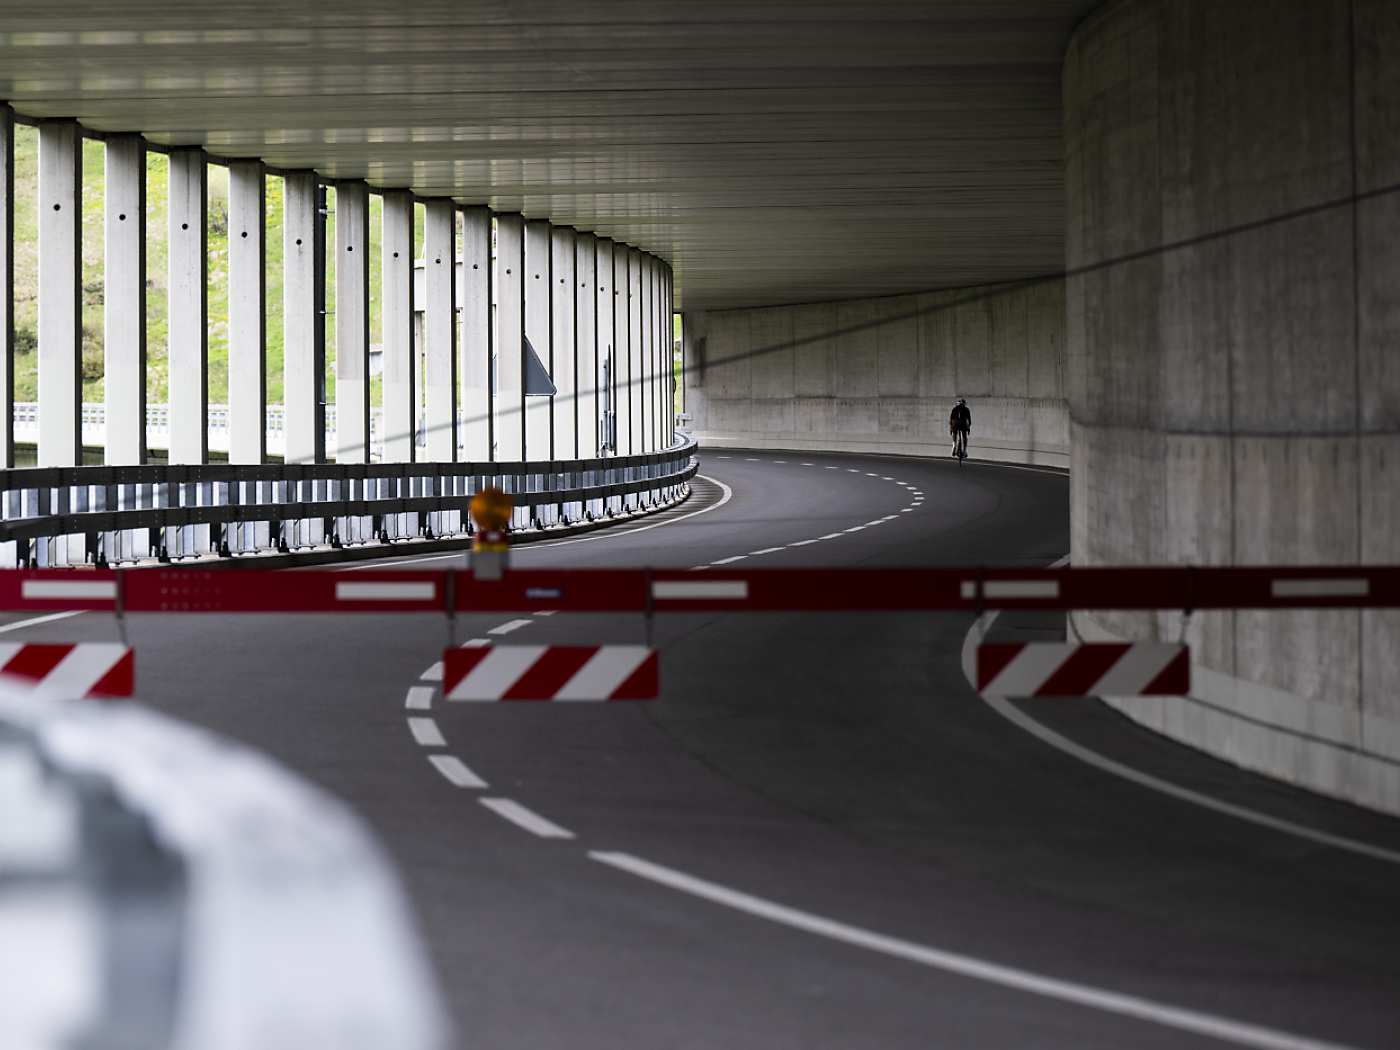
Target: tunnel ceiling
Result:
[[771, 152]]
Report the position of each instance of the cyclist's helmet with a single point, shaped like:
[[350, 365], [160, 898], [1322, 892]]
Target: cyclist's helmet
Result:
[[962, 400]]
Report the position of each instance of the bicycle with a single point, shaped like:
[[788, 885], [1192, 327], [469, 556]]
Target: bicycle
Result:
[[960, 445]]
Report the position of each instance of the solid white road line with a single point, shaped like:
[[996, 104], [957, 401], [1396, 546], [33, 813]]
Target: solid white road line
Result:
[[1014, 714], [432, 674], [513, 625], [420, 697], [767, 550], [801, 543], [426, 732], [1210, 1025], [526, 818], [609, 534], [456, 771], [726, 561], [831, 536], [36, 620]]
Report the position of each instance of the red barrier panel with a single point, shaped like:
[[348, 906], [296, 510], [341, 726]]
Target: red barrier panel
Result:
[[673, 590]]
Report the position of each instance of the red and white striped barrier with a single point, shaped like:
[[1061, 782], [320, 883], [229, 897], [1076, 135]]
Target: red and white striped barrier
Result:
[[1098, 669], [88, 670], [550, 672]]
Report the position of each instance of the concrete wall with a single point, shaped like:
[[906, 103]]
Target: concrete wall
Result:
[[1236, 400], [881, 375]]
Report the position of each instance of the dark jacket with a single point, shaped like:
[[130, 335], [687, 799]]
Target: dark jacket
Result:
[[961, 419]]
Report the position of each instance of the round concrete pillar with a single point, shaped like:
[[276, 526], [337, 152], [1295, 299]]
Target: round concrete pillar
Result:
[[1233, 320]]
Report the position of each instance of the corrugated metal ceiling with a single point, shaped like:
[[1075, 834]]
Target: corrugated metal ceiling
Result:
[[772, 152]]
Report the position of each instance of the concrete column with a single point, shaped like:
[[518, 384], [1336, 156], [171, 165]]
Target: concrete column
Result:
[[187, 344], [562, 286], [124, 300], [7, 275], [352, 322], [510, 332], [396, 321], [440, 331], [539, 434], [247, 312], [60, 281], [300, 319], [636, 352], [646, 314], [474, 302], [622, 360], [586, 343], [607, 356], [673, 382]]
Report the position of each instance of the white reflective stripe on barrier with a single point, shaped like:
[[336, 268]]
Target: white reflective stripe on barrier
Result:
[[1012, 588], [74, 589], [607, 669], [700, 589], [385, 592], [1357, 587]]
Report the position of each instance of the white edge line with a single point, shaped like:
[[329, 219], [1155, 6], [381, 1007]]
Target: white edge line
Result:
[[1014, 714], [36, 620], [1180, 1018], [608, 535], [526, 818]]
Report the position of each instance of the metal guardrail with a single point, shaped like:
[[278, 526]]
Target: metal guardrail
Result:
[[54, 516]]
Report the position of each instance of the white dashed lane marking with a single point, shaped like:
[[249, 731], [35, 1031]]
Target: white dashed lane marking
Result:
[[456, 771], [432, 674], [426, 732], [831, 536], [767, 550], [726, 561], [420, 697], [526, 818], [513, 625]]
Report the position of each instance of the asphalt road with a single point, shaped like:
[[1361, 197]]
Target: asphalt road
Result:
[[820, 835]]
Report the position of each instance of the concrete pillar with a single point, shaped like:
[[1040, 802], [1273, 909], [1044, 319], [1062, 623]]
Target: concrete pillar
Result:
[[622, 361], [7, 275], [563, 286], [396, 322], [300, 319], [510, 332], [539, 434], [440, 331], [674, 388], [646, 313], [607, 357], [60, 283], [352, 322], [124, 299], [474, 303], [187, 344], [636, 353], [586, 343], [247, 312]]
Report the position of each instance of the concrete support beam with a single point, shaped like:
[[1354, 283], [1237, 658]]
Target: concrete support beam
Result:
[[539, 434], [300, 318], [188, 325], [352, 322], [247, 312], [477, 344], [586, 343], [636, 355], [622, 359], [604, 315], [396, 322], [124, 300], [7, 275], [440, 331], [60, 284], [510, 333], [563, 286]]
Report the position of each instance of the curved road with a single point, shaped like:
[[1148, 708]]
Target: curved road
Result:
[[820, 835]]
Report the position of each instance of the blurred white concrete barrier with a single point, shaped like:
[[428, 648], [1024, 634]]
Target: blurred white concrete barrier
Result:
[[296, 932]]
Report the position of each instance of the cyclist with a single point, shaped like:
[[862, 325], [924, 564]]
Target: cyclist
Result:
[[959, 426]]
